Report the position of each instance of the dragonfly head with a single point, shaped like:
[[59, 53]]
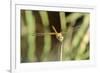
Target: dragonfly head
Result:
[[59, 37]]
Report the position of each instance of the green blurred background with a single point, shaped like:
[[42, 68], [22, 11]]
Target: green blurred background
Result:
[[74, 27]]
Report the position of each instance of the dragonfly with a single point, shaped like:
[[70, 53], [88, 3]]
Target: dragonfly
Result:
[[59, 36]]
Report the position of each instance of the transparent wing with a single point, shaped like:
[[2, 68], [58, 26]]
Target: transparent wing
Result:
[[43, 34]]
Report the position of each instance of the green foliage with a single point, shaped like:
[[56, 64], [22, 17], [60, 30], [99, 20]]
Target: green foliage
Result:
[[76, 40]]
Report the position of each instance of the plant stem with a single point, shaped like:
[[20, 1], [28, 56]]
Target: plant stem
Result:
[[47, 38], [30, 19]]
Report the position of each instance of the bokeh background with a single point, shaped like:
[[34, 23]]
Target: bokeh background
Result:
[[46, 47]]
